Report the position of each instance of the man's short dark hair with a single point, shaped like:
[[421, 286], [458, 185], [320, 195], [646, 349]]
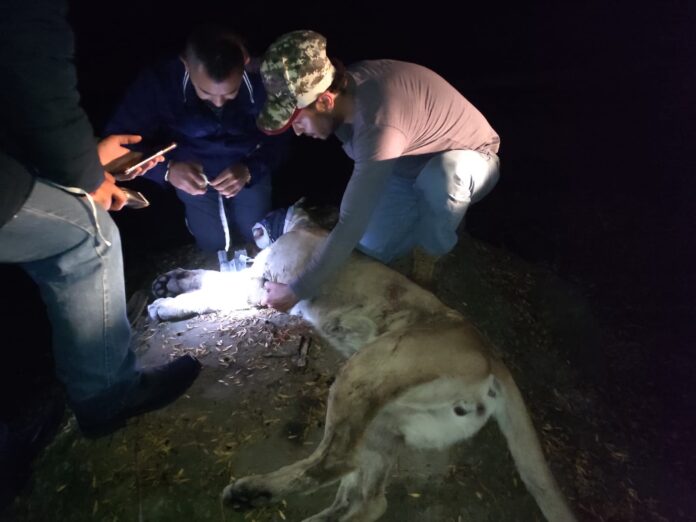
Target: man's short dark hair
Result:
[[219, 50], [339, 84]]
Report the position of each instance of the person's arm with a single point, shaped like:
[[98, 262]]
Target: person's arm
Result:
[[359, 201], [376, 150], [39, 100]]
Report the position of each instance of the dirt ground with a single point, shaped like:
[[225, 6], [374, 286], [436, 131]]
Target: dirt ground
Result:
[[259, 404]]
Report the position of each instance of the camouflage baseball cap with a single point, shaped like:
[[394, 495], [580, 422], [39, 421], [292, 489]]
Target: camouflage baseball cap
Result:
[[295, 71]]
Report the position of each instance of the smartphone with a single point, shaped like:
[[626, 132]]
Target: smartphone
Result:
[[135, 199], [143, 161]]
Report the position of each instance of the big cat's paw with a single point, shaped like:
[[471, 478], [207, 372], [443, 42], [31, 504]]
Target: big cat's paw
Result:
[[176, 282], [242, 495], [153, 309], [169, 309]]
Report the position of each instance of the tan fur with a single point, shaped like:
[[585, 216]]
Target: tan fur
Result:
[[419, 374]]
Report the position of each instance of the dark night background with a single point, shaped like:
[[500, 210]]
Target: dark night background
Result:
[[594, 103]]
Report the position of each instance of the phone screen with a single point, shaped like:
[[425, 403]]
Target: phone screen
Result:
[[143, 161]]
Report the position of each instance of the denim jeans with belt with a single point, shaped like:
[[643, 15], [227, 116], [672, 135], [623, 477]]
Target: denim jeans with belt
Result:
[[72, 250], [426, 211]]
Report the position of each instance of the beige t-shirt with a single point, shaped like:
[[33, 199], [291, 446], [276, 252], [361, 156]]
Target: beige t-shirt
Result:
[[404, 109], [400, 109]]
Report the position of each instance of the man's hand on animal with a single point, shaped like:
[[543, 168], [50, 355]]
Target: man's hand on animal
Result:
[[188, 176], [113, 155], [278, 296], [232, 180], [109, 195]]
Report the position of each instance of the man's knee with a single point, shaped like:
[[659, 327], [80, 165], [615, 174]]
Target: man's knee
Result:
[[485, 175], [463, 176]]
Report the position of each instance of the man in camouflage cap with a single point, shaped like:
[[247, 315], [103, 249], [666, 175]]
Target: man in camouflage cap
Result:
[[422, 154], [295, 71]]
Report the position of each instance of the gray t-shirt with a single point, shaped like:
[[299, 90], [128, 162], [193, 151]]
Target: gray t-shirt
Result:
[[400, 109]]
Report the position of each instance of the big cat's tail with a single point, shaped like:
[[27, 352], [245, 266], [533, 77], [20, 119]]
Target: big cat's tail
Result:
[[516, 425]]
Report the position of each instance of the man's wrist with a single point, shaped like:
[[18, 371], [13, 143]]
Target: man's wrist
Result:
[[245, 168]]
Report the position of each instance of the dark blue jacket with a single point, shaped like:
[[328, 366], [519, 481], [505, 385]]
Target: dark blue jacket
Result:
[[162, 106]]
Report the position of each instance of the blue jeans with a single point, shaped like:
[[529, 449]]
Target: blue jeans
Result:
[[426, 211], [55, 240], [242, 212]]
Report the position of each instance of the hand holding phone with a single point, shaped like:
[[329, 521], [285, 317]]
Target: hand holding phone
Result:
[[135, 199], [133, 163], [149, 158]]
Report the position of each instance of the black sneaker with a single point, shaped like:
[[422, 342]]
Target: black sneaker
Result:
[[158, 386]]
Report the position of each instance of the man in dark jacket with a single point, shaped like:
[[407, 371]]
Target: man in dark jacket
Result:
[[54, 197], [207, 101]]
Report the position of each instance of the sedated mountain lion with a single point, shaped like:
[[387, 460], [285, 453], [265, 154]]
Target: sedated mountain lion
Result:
[[418, 374]]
